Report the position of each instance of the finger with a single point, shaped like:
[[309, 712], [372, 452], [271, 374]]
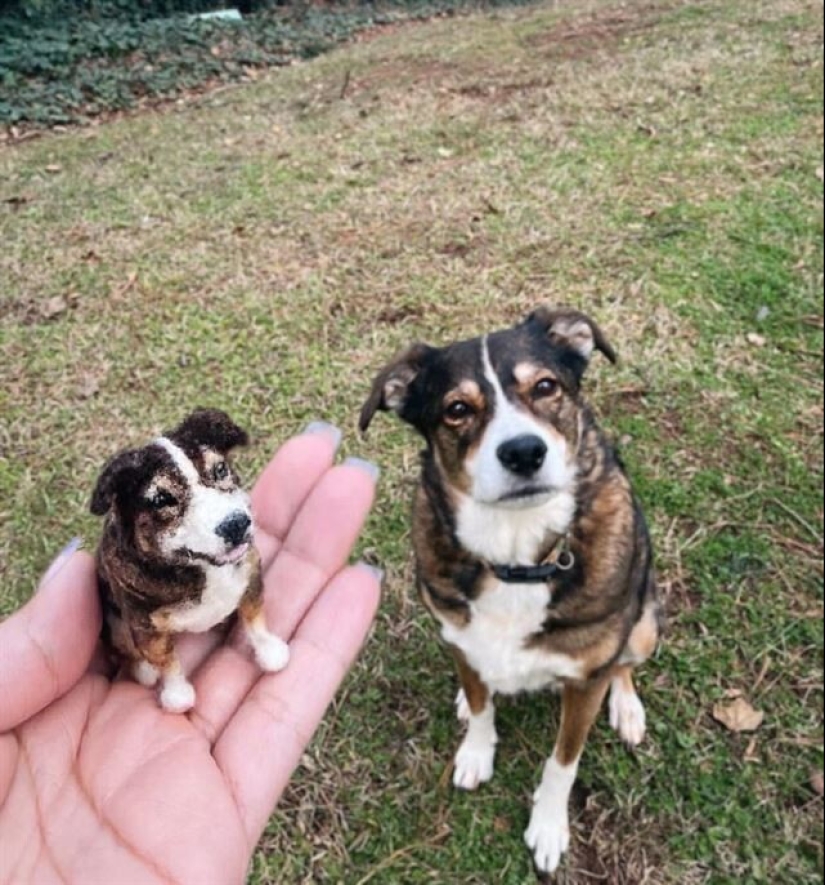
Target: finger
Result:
[[287, 481], [316, 548], [48, 645], [263, 743]]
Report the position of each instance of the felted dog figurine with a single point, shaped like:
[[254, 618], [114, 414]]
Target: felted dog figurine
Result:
[[532, 551], [177, 553]]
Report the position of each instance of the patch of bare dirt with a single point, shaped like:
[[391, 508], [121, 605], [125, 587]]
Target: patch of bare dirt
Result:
[[598, 32]]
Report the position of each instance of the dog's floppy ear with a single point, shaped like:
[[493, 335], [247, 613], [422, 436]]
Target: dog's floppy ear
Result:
[[390, 388], [211, 428], [575, 332], [120, 476]]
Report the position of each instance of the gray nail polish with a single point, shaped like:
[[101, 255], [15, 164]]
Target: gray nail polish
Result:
[[373, 570], [323, 428], [373, 471], [61, 559]]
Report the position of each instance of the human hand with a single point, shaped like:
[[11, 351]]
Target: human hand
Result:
[[98, 785]]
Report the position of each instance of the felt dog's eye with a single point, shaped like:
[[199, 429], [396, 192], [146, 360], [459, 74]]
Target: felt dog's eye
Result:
[[161, 500], [220, 471], [546, 387], [458, 411]]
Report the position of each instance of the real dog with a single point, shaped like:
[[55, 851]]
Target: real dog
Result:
[[177, 552], [532, 551]]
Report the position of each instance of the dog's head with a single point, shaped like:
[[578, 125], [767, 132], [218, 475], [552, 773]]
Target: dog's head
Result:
[[501, 414], [178, 500]]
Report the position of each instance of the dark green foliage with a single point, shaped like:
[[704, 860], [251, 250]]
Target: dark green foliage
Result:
[[58, 66]]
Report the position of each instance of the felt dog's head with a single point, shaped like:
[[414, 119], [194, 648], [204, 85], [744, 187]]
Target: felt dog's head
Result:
[[501, 414], [178, 499]]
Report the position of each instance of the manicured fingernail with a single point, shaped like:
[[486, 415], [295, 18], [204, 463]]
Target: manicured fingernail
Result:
[[372, 570], [322, 428], [373, 471], [61, 559]]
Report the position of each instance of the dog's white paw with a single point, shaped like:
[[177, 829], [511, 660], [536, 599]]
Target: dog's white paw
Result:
[[146, 674], [462, 707], [474, 764], [548, 836], [177, 696], [627, 716], [271, 653]]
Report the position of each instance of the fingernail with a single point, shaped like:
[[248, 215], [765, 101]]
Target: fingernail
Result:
[[372, 570], [373, 471], [61, 559], [322, 428]]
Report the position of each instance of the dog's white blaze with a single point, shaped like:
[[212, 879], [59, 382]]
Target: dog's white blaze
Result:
[[502, 619], [208, 508], [548, 835], [491, 480]]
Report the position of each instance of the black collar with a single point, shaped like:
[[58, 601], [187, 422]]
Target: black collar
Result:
[[563, 561]]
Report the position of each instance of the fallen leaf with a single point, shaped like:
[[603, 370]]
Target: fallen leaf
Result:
[[54, 307], [88, 388], [739, 716], [818, 783], [54, 168], [756, 339], [820, 173]]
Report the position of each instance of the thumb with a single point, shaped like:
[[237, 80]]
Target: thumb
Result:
[[46, 647]]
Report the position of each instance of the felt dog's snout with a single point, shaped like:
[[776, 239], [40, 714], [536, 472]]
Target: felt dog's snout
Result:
[[235, 528]]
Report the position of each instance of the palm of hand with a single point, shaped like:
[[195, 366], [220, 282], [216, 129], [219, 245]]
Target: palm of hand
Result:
[[99, 785]]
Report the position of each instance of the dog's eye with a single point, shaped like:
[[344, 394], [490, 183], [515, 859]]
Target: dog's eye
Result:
[[458, 411], [161, 500], [546, 387], [220, 471]]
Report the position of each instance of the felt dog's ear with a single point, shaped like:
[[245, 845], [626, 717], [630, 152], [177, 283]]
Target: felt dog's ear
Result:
[[211, 428], [119, 477], [390, 388], [573, 332]]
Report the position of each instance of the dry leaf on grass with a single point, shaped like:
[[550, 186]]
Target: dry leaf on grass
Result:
[[818, 783], [88, 387], [756, 339], [739, 716], [54, 307], [54, 168]]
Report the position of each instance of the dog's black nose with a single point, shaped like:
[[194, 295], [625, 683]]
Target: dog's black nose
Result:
[[523, 455], [234, 528]]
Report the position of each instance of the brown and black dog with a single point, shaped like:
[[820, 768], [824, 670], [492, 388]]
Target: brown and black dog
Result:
[[532, 551], [177, 552]]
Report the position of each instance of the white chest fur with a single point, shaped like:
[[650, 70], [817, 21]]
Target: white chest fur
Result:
[[512, 536], [225, 586], [494, 643]]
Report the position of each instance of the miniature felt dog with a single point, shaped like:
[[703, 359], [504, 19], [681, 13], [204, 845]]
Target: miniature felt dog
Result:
[[177, 553], [532, 551]]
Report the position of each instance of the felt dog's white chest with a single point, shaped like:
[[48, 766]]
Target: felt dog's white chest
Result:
[[495, 642], [224, 588]]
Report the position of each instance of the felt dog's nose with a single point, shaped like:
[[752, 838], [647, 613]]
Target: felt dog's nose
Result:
[[523, 455], [234, 528]]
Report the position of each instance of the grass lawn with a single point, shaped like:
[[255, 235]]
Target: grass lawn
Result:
[[266, 248]]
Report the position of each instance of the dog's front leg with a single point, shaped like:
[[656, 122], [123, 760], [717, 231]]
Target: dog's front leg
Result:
[[548, 836], [159, 662], [271, 652], [475, 760]]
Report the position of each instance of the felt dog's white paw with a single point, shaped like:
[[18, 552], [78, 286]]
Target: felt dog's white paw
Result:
[[474, 764], [271, 653], [462, 707], [177, 696], [627, 716], [146, 674], [548, 836]]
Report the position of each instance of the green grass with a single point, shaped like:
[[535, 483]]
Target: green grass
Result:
[[266, 248]]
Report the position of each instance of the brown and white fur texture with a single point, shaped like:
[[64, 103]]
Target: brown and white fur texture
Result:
[[515, 467], [177, 553]]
